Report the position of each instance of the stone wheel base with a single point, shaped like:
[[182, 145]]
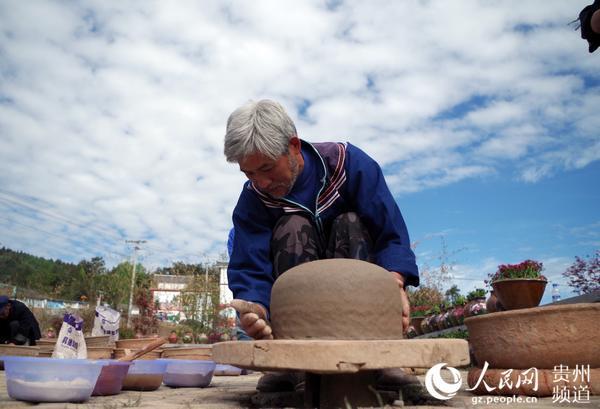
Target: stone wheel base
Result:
[[341, 373]]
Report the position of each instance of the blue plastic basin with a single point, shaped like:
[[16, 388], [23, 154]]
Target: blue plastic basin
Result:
[[34, 379], [188, 373], [145, 375]]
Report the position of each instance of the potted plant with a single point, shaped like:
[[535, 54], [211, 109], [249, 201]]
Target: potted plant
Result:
[[476, 303], [417, 315], [435, 321], [519, 285], [458, 312], [446, 321], [427, 323]]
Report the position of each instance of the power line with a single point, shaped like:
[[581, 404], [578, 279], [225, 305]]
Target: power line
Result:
[[15, 200], [62, 236]]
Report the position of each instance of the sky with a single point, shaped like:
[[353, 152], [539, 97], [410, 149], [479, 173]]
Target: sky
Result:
[[482, 114]]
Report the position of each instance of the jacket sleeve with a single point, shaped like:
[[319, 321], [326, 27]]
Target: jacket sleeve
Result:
[[375, 205], [250, 270], [28, 325]]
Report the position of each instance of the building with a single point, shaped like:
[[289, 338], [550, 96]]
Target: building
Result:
[[166, 290]]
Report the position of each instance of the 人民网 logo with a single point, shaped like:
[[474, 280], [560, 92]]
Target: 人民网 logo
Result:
[[439, 388]]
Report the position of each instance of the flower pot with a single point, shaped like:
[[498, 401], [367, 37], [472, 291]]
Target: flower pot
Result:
[[449, 323], [458, 315], [477, 307], [518, 293], [433, 323], [493, 304], [416, 323], [425, 325]]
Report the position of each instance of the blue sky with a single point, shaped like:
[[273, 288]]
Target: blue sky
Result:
[[483, 115]]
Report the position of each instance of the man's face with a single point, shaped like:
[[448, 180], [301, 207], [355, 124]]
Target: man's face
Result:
[[4, 312], [274, 177]]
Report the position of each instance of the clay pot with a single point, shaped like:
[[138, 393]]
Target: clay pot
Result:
[[477, 307], [425, 325], [201, 353], [97, 341], [121, 352], [173, 337], [458, 315], [441, 321], [415, 322], [519, 292], [448, 319], [467, 309], [17, 350], [134, 343], [540, 337], [433, 323], [493, 304], [99, 352]]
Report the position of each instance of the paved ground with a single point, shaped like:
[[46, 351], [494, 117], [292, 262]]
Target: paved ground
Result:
[[239, 391]]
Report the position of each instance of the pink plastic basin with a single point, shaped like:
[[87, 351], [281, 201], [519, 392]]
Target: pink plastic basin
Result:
[[110, 381]]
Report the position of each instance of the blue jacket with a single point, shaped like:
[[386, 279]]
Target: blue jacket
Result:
[[351, 182]]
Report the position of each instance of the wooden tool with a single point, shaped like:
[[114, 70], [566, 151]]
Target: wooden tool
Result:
[[151, 346]]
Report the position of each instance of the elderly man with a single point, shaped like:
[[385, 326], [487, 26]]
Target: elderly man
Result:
[[303, 202], [18, 325]]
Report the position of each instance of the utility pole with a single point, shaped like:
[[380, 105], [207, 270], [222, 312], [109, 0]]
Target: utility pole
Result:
[[135, 249]]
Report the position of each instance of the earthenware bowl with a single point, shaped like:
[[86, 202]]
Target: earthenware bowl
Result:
[[541, 337]]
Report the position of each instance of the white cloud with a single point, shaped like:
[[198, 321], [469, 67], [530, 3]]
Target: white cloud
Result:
[[114, 113]]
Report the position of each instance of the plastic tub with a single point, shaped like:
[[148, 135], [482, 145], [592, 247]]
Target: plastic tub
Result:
[[188, 373], [145, 375], [110, 381], [49, 379], [227, 370]]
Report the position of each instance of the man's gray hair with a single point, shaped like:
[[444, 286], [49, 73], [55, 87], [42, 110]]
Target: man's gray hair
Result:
[[258, 127]]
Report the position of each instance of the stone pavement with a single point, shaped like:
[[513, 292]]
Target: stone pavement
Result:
[[238, 392]]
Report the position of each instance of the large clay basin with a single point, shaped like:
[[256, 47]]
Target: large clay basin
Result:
[[202, 353], [541, 337]]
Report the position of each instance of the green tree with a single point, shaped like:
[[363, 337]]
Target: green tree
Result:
[[200, 300], [115, 285], [452, 294]]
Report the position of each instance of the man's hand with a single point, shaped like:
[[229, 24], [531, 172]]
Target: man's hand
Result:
[[253, 319], [405, 303], [595, 22]]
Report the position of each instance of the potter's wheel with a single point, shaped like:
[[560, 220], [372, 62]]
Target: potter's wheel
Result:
[[340, 321], [341, 372]]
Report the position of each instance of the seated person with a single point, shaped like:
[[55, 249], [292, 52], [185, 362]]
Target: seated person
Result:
[[18, 325]]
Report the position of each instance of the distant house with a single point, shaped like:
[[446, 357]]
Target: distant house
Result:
[[225, 294], [166, 289]]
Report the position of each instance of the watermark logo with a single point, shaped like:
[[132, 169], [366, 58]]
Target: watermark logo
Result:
[[439, 388]]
